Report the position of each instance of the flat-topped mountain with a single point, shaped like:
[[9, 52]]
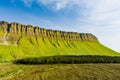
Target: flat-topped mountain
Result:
[[10, 33], [21, 41]]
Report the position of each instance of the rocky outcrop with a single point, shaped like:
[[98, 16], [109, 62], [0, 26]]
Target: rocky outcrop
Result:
[[11, 32]]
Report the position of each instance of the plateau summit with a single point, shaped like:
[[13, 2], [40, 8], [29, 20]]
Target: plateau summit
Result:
[[21, 41]]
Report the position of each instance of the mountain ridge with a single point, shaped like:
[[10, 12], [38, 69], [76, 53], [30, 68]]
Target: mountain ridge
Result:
[[22, 41], [8, 29]]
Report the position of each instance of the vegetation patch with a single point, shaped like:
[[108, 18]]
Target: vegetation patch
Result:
[[69, 59]]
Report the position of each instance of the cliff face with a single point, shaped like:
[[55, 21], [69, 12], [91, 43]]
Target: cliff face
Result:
[[22, 41], [10, 33]]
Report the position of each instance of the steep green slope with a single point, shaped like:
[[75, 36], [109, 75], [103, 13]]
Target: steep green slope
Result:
[[21, 41], [30, 47], [47, 47]]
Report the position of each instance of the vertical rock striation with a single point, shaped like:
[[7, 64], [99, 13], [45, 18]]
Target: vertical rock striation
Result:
[[11, 32]]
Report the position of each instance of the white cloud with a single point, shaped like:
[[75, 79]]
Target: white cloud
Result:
[[56, 4], [28, 3], [60, 5]]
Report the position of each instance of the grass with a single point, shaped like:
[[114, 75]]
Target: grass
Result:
[[9, 69], [37, 47], [60, 72]]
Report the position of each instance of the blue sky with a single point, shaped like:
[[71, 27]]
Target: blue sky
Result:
[[99, 17]]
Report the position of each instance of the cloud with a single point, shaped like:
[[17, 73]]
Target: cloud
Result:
[[55, 4], [28, 3], [60, 5]]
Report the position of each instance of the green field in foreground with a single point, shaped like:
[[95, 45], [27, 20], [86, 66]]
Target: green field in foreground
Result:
[[60, 72], [32, 47]]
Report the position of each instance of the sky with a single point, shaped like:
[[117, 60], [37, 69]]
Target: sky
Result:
[[99, 17]]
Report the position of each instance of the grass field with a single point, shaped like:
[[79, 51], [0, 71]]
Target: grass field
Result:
[[60, 72], [32, 47]]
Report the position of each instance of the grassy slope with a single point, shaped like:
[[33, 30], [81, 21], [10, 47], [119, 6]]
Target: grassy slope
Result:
[[60, 72], [34, 47]]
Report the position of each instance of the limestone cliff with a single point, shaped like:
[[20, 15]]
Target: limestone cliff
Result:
[[10, 33], [22, 41]]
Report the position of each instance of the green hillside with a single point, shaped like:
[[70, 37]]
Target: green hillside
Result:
[[32, 48], [20, 41]]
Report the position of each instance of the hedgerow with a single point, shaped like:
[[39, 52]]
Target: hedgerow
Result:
[[69, 60]]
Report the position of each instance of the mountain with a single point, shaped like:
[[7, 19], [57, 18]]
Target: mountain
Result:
[[21, 41]]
